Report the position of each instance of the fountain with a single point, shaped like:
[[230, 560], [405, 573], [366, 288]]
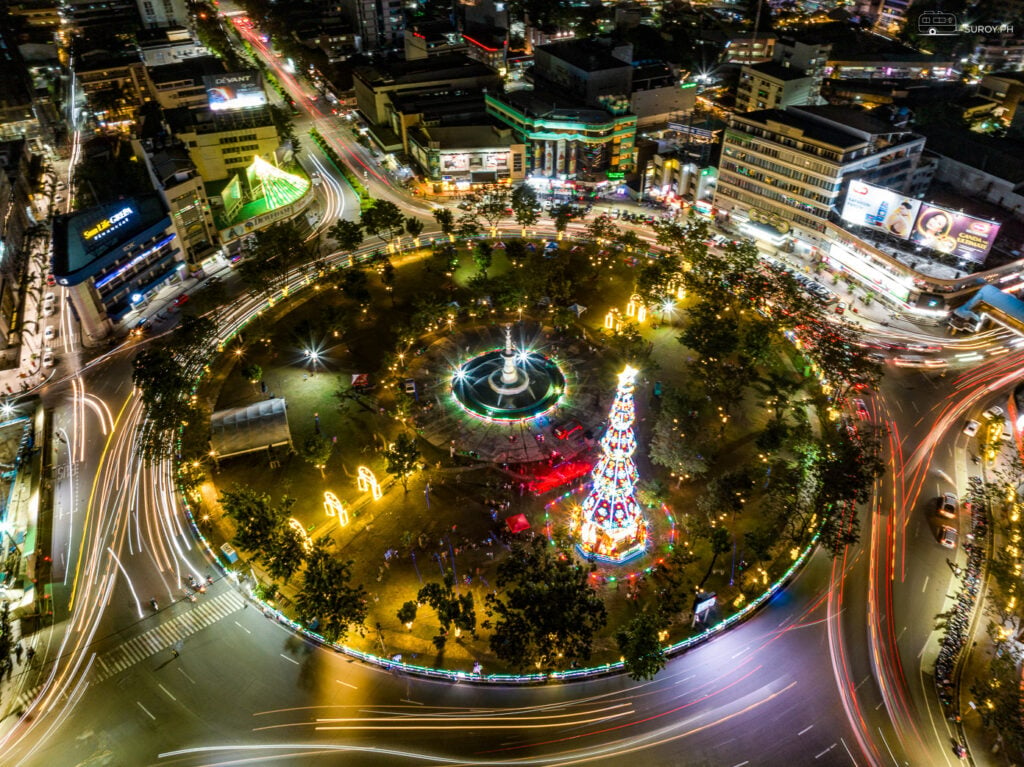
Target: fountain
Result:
[[508, 385]]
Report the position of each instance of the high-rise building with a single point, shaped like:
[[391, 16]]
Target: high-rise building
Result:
[[785, 171], [378, 23], [156, 14], [773, 86]]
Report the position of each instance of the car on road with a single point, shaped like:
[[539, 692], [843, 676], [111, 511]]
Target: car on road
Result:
[[971, 428], [841, 307], [862, 409], [51, 281], [947, 536], [49, 333], [913, 361], [182, 299], [947, 505], [59, 198], [48, 358], [48, 310], [994, 413]]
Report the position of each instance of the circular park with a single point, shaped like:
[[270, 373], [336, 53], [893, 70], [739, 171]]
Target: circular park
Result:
[[526, 457]]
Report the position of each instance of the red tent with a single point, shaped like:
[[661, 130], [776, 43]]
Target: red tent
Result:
[[518, 523]]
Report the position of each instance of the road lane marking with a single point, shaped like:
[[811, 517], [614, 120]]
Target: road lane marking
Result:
[[741, 652], [925, 583], [242, 627], [742, 764], [182, 672], [848, 752], [806, 729], [414, 702], [346, 684], [290, 660], [139, 704], [825, 751], [166, 690], [862, 681]]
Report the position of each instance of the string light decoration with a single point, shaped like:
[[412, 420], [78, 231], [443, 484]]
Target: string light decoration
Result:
[[609, 522], [367, 483], [335, 508]]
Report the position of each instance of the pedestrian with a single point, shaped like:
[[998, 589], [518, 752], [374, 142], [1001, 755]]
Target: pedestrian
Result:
[[30, 654], [174, 652], [18, 651]]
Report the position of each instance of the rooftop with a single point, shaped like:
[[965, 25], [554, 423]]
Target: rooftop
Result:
[[850, 117], [190, 69], [548, 105], [423, 70], [777, 71], [468, 136], [585, 54], [1001, 157], [811, 129]]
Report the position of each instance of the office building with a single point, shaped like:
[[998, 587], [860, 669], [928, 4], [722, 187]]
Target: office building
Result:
[[783, 172], [430, 39], [184, 194], [168, 46], [181, 84], [585, 70]]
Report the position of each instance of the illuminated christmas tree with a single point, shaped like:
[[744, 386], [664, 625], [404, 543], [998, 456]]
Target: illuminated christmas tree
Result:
[[610, 523]]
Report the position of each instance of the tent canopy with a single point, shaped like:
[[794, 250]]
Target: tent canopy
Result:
[[517, 523], [250, 428]]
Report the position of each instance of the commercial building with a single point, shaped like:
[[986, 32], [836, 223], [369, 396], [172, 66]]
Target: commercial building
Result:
[[453, 74], [656, 95], [37, 14], [872, 65], [578, 143], [223, 142], [406, 112], [467, 154], [1005, 90], [774, 86], [17, 118], [430, 39], [113, 257], [585, 70], [15, 207], [117, 16], [180, 84], [783, 172], [1005, 52]]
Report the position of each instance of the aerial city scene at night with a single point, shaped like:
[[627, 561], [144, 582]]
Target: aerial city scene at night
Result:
[[511, 382]]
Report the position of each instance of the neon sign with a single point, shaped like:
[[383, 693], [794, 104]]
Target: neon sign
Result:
[[107, 225]]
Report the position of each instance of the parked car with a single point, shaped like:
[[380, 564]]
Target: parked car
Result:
[[947, 536], [51, 281], [841, 307], [948, 505], [48, 358], [862, 409], [971, 428], [182, 299], [49, 333]]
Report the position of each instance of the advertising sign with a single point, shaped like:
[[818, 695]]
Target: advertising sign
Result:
[[958, 234], [880, 208], [235, 90], [105, 226]]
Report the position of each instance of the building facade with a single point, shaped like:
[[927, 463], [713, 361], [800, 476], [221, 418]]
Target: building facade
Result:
[[468, 154], [157, 14], [785, 171]]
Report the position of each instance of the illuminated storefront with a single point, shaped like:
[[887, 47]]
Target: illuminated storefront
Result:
[[113, 257], [569, 142]]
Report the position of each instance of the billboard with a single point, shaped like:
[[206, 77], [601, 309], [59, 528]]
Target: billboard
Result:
[[879, 208], [234, 90], [957, 234]]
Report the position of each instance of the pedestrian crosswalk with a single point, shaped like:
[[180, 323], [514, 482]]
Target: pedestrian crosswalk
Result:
[[165, 636]]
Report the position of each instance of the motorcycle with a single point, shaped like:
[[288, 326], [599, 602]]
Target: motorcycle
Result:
[[153, 604]]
